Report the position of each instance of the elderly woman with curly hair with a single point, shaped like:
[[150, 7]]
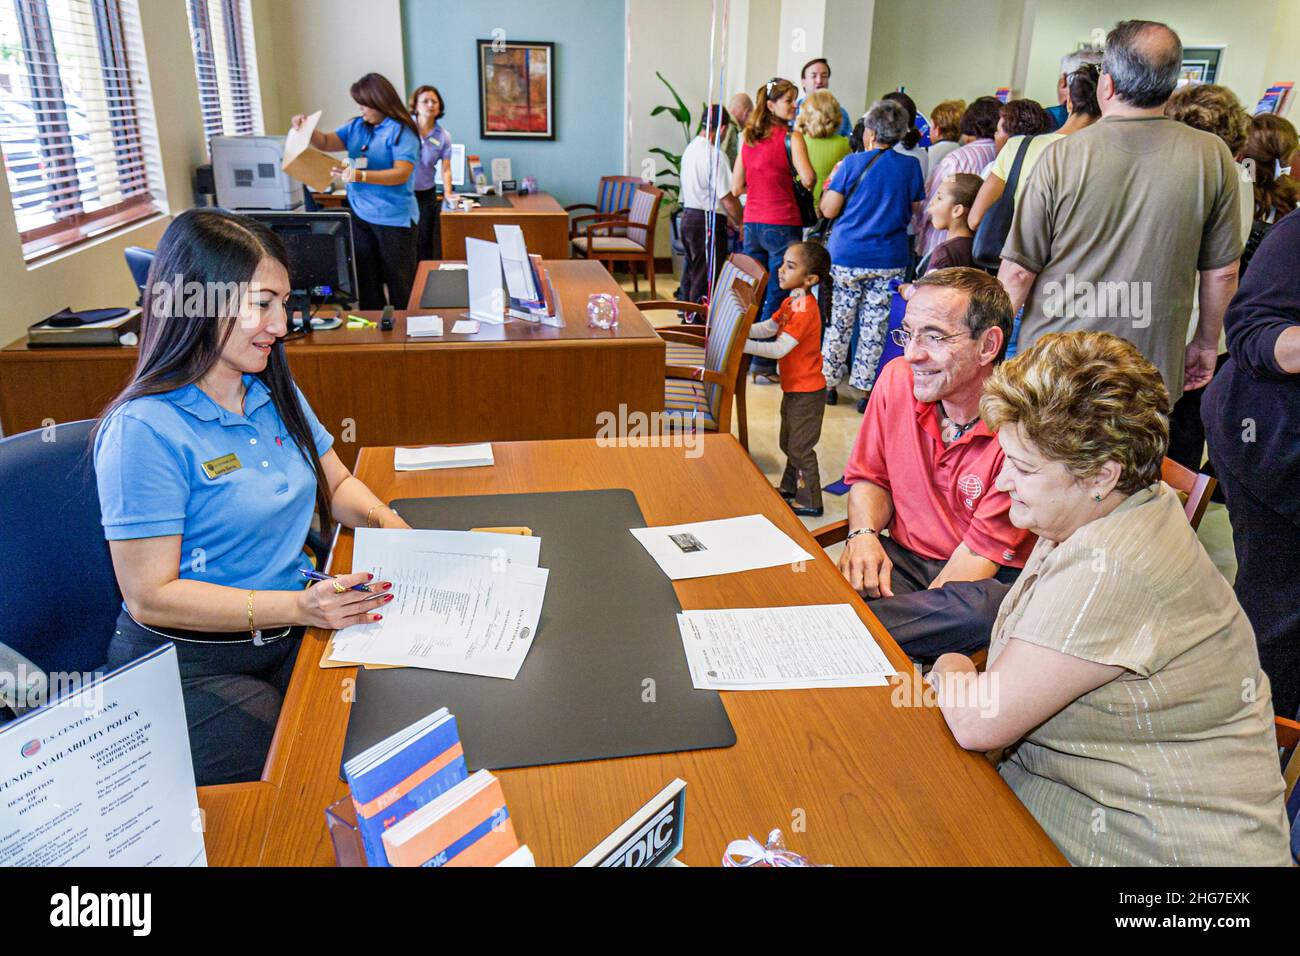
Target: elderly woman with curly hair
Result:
[[1123, 680]]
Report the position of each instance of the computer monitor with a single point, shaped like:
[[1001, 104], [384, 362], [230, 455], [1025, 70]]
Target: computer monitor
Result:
[[457, 166], [322, 264]]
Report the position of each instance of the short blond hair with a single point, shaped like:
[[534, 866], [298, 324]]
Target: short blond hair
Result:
[[1083, 399], [945, 120], [820, 115]]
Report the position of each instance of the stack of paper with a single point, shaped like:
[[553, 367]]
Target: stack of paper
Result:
[[782, 648], [397, 776], [420, 326], [468, 825], [464, 602], [443, 456]]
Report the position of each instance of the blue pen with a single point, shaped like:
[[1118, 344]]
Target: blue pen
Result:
[[317, 576]]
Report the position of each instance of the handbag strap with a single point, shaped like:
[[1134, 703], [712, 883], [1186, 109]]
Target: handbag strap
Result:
[[1013, 179]]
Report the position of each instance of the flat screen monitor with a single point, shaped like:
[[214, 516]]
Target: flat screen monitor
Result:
[[322, 264], [457, 166]]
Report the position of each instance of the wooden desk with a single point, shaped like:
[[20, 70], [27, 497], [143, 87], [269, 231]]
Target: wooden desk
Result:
[[874, 784], [543, 220], [512, 382]]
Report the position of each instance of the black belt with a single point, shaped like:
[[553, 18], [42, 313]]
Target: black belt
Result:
[[220, 637]]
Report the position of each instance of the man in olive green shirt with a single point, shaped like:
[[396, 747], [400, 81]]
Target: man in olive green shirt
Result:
[[1117, 220]]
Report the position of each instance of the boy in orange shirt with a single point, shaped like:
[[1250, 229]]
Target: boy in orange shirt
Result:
[[797, 328]]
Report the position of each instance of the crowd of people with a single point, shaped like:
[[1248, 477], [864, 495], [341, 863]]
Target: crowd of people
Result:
[[1060, 282], [1066, 278]]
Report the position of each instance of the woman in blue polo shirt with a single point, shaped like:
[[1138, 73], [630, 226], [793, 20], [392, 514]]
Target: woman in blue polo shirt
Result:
[[427, 107], [383, 147], [210, 465]]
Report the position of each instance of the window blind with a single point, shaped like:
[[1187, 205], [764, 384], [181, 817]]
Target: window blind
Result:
[[225, 63], [76, 122]]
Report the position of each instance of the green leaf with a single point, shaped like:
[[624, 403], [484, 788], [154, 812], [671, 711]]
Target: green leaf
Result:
[[681, 113]]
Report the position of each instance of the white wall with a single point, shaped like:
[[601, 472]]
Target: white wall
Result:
[[1283, 61], [1246, 28], [943, 49], [849, 28], [309, 52], [95, 274]]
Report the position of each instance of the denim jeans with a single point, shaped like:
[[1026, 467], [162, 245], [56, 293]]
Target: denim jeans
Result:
[[767, 244]]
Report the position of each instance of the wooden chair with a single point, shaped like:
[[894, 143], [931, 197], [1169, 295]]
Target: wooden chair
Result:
[[687, 343], [601, 242], [701, 395], [1288, 741], [613, 200], [1194, 489]]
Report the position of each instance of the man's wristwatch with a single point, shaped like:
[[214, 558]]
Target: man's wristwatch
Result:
[[854, 534]]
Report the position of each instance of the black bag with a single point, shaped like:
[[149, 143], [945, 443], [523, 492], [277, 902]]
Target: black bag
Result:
[[803, 196], [822, 230], [994, 228]]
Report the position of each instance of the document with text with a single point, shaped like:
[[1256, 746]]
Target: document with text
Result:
[[782, 648]]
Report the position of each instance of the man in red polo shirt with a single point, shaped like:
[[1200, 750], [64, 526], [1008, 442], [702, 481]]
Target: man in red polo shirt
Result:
[[923, 469]]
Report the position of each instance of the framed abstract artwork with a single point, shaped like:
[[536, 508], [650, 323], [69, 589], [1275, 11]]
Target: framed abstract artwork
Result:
[[516, 82]]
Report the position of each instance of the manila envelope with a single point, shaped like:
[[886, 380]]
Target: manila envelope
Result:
[[304, 162]]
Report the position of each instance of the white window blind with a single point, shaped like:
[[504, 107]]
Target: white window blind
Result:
[[225, 61], [76, 121]]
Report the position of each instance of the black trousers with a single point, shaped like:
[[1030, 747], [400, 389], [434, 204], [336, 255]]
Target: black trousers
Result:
[[956, 618], [385, 257], [801, 430], [428, 243], [695, 284], [232, 689], [1268, 586]]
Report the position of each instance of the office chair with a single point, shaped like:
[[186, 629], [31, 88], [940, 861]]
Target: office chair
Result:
[[139, 261], [61, 601]]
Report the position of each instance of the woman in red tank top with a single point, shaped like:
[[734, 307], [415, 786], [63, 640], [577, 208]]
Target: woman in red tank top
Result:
[[763, 176]]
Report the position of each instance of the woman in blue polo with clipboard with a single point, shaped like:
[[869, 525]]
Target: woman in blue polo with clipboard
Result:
[[210, 466], [383, 147]]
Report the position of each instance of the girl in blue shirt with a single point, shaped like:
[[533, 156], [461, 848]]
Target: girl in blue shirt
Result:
[[427, 107], [383, 147], [210, 465]]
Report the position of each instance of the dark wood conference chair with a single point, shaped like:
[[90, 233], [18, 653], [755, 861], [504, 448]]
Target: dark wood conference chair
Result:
[[636, 245]]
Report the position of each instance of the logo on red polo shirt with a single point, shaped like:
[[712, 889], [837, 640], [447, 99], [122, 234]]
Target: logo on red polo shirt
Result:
[[970, 487]]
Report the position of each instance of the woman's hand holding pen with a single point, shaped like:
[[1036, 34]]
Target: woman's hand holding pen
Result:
[[323, 605]]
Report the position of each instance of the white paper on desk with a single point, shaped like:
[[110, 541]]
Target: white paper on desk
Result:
[[487, 295], [719, 547], [465, 327], [443, 456], [453, 266], [782, 648], [514, 261], [421, 326], [467, 613]]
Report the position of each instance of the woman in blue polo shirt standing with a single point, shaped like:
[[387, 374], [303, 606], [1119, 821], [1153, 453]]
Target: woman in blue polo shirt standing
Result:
[[427, 107], [383, 147], [210, 465]]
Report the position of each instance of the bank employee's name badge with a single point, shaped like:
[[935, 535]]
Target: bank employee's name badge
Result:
[[222, 466]]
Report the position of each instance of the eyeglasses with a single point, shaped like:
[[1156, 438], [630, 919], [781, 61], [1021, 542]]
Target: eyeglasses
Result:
[[927, 340]]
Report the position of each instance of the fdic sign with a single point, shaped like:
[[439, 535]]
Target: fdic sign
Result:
[[651, 837]]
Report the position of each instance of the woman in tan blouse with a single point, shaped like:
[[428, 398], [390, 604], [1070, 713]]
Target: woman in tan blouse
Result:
[[1123, 678]]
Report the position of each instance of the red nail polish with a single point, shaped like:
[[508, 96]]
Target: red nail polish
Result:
[[370, 577], [379, 617], [389, 598], [388, 585]]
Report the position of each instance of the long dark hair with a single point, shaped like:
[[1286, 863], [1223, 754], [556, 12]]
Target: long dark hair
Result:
[[214, 248], [913, 135], [374, 90]]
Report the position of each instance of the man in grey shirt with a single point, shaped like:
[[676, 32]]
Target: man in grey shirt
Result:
[[1117, 220]]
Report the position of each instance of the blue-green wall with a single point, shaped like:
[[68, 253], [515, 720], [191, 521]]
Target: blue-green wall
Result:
[[440, 50]]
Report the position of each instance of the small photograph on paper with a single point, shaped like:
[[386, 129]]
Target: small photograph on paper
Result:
[[688, 543]]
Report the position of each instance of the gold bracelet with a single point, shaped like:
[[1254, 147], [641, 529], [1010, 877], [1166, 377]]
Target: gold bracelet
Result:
[[251, 628], [370, 513]]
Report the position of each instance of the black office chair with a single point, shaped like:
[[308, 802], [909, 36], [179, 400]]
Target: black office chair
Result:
[[139, 260], [60, 600]]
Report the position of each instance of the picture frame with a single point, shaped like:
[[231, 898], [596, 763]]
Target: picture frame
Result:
[[1201, 64], [516, 82]]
